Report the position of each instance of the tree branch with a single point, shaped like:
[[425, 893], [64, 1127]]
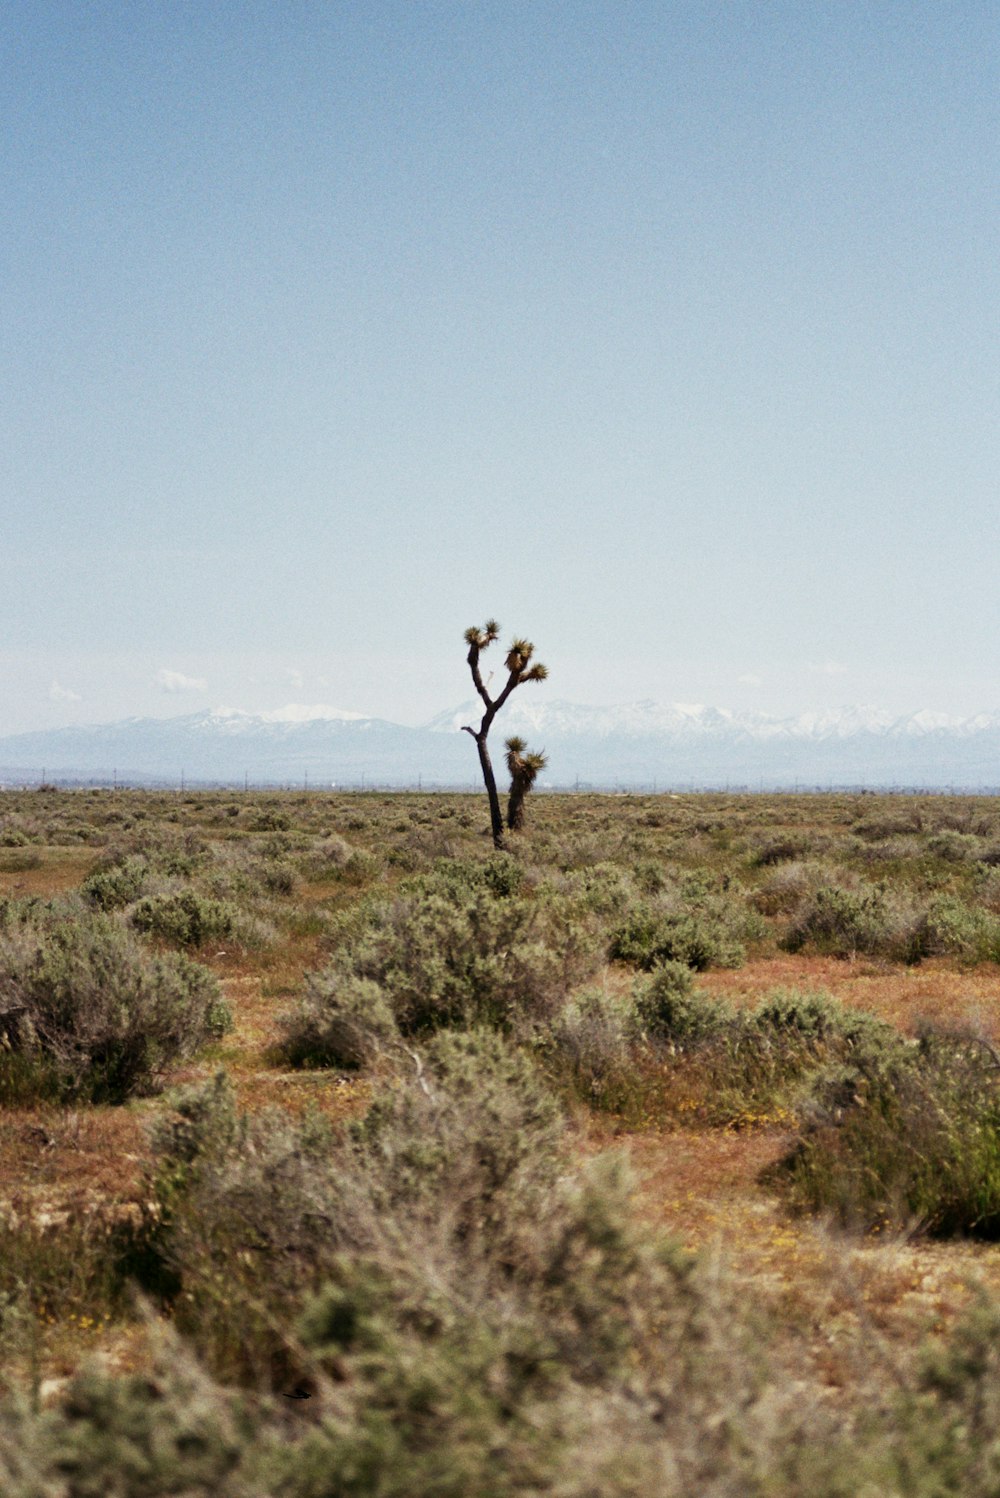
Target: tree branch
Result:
[[513, 680], [473, 660]]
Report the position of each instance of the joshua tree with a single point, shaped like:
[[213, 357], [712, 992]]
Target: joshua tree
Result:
[[519, 669], [523, 770]]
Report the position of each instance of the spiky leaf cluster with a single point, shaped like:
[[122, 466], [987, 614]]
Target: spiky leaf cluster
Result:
[[519, 662], [480, 638], [525, 767]]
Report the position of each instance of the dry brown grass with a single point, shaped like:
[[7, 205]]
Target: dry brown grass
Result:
[[839, 1299], [59, 870], [904, 996]]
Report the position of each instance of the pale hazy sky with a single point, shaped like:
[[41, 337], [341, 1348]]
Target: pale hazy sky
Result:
[[666, 333]]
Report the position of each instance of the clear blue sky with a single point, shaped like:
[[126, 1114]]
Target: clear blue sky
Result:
[[666, 333]]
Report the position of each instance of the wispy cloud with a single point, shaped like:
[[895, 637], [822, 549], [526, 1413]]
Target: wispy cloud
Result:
[[59, 693], [176, 681], [828, 668], [748, 679], [295, 677]]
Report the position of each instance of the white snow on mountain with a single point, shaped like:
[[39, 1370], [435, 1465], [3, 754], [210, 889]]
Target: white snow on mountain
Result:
[[628, 744], [295, 712], [648, 719]]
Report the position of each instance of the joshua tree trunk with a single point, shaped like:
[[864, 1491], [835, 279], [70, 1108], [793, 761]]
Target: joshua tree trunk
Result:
[[524, 770], [519, 669], [490, 781], [515, 804]]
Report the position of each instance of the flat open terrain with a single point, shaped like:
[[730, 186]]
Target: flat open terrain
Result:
[[914, 941]]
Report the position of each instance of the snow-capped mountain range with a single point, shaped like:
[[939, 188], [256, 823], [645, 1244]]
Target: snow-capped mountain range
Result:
[[635, 744], [648, 719]]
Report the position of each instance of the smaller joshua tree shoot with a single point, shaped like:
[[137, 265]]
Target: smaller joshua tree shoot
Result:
[[524, 769], [519, 669]]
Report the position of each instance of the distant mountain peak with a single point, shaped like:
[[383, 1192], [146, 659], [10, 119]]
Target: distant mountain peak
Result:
[[294, 712], [633, 743]]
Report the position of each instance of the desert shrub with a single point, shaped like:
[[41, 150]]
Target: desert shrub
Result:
[[255, 1209], [482, 1311], [953, 847], [969, 819], [172, 854], [271, 820], [589, 1047], [341, 1020], [63, 1261], [904, 1134], [503, 875], [185, 917], [843, 921], [117, 885], [17, 860], [666, 1008], [786, 887], [951, 927], [890, 851], [876, 828], [442, 1396], [279, 877], [170, 1430], [649, 876], [475, 1122], [603, 890], [446, 955], [335, 858], [950, 1415], [816, 1016], [782, 849], [245, 1211], [650, 936], [87, 1012], [744, 1067]]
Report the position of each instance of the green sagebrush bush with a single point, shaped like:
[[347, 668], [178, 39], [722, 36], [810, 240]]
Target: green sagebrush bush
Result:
[[735, 1062], [256, 1208], [341, 1020], [445, 1402], [952, 928], [785, 848], [904, 1133], [185, 917], [117, 885], [458, 947], [87, 1012], [482, 1313], [844, 921], [700, 938], [665, 1007], [603, 890], [589, 1044]]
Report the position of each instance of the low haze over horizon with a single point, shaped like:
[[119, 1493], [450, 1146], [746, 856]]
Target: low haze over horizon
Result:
[[667, 334]]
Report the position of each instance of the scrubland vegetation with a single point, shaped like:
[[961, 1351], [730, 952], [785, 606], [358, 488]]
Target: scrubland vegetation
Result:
[[344, 1154]]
